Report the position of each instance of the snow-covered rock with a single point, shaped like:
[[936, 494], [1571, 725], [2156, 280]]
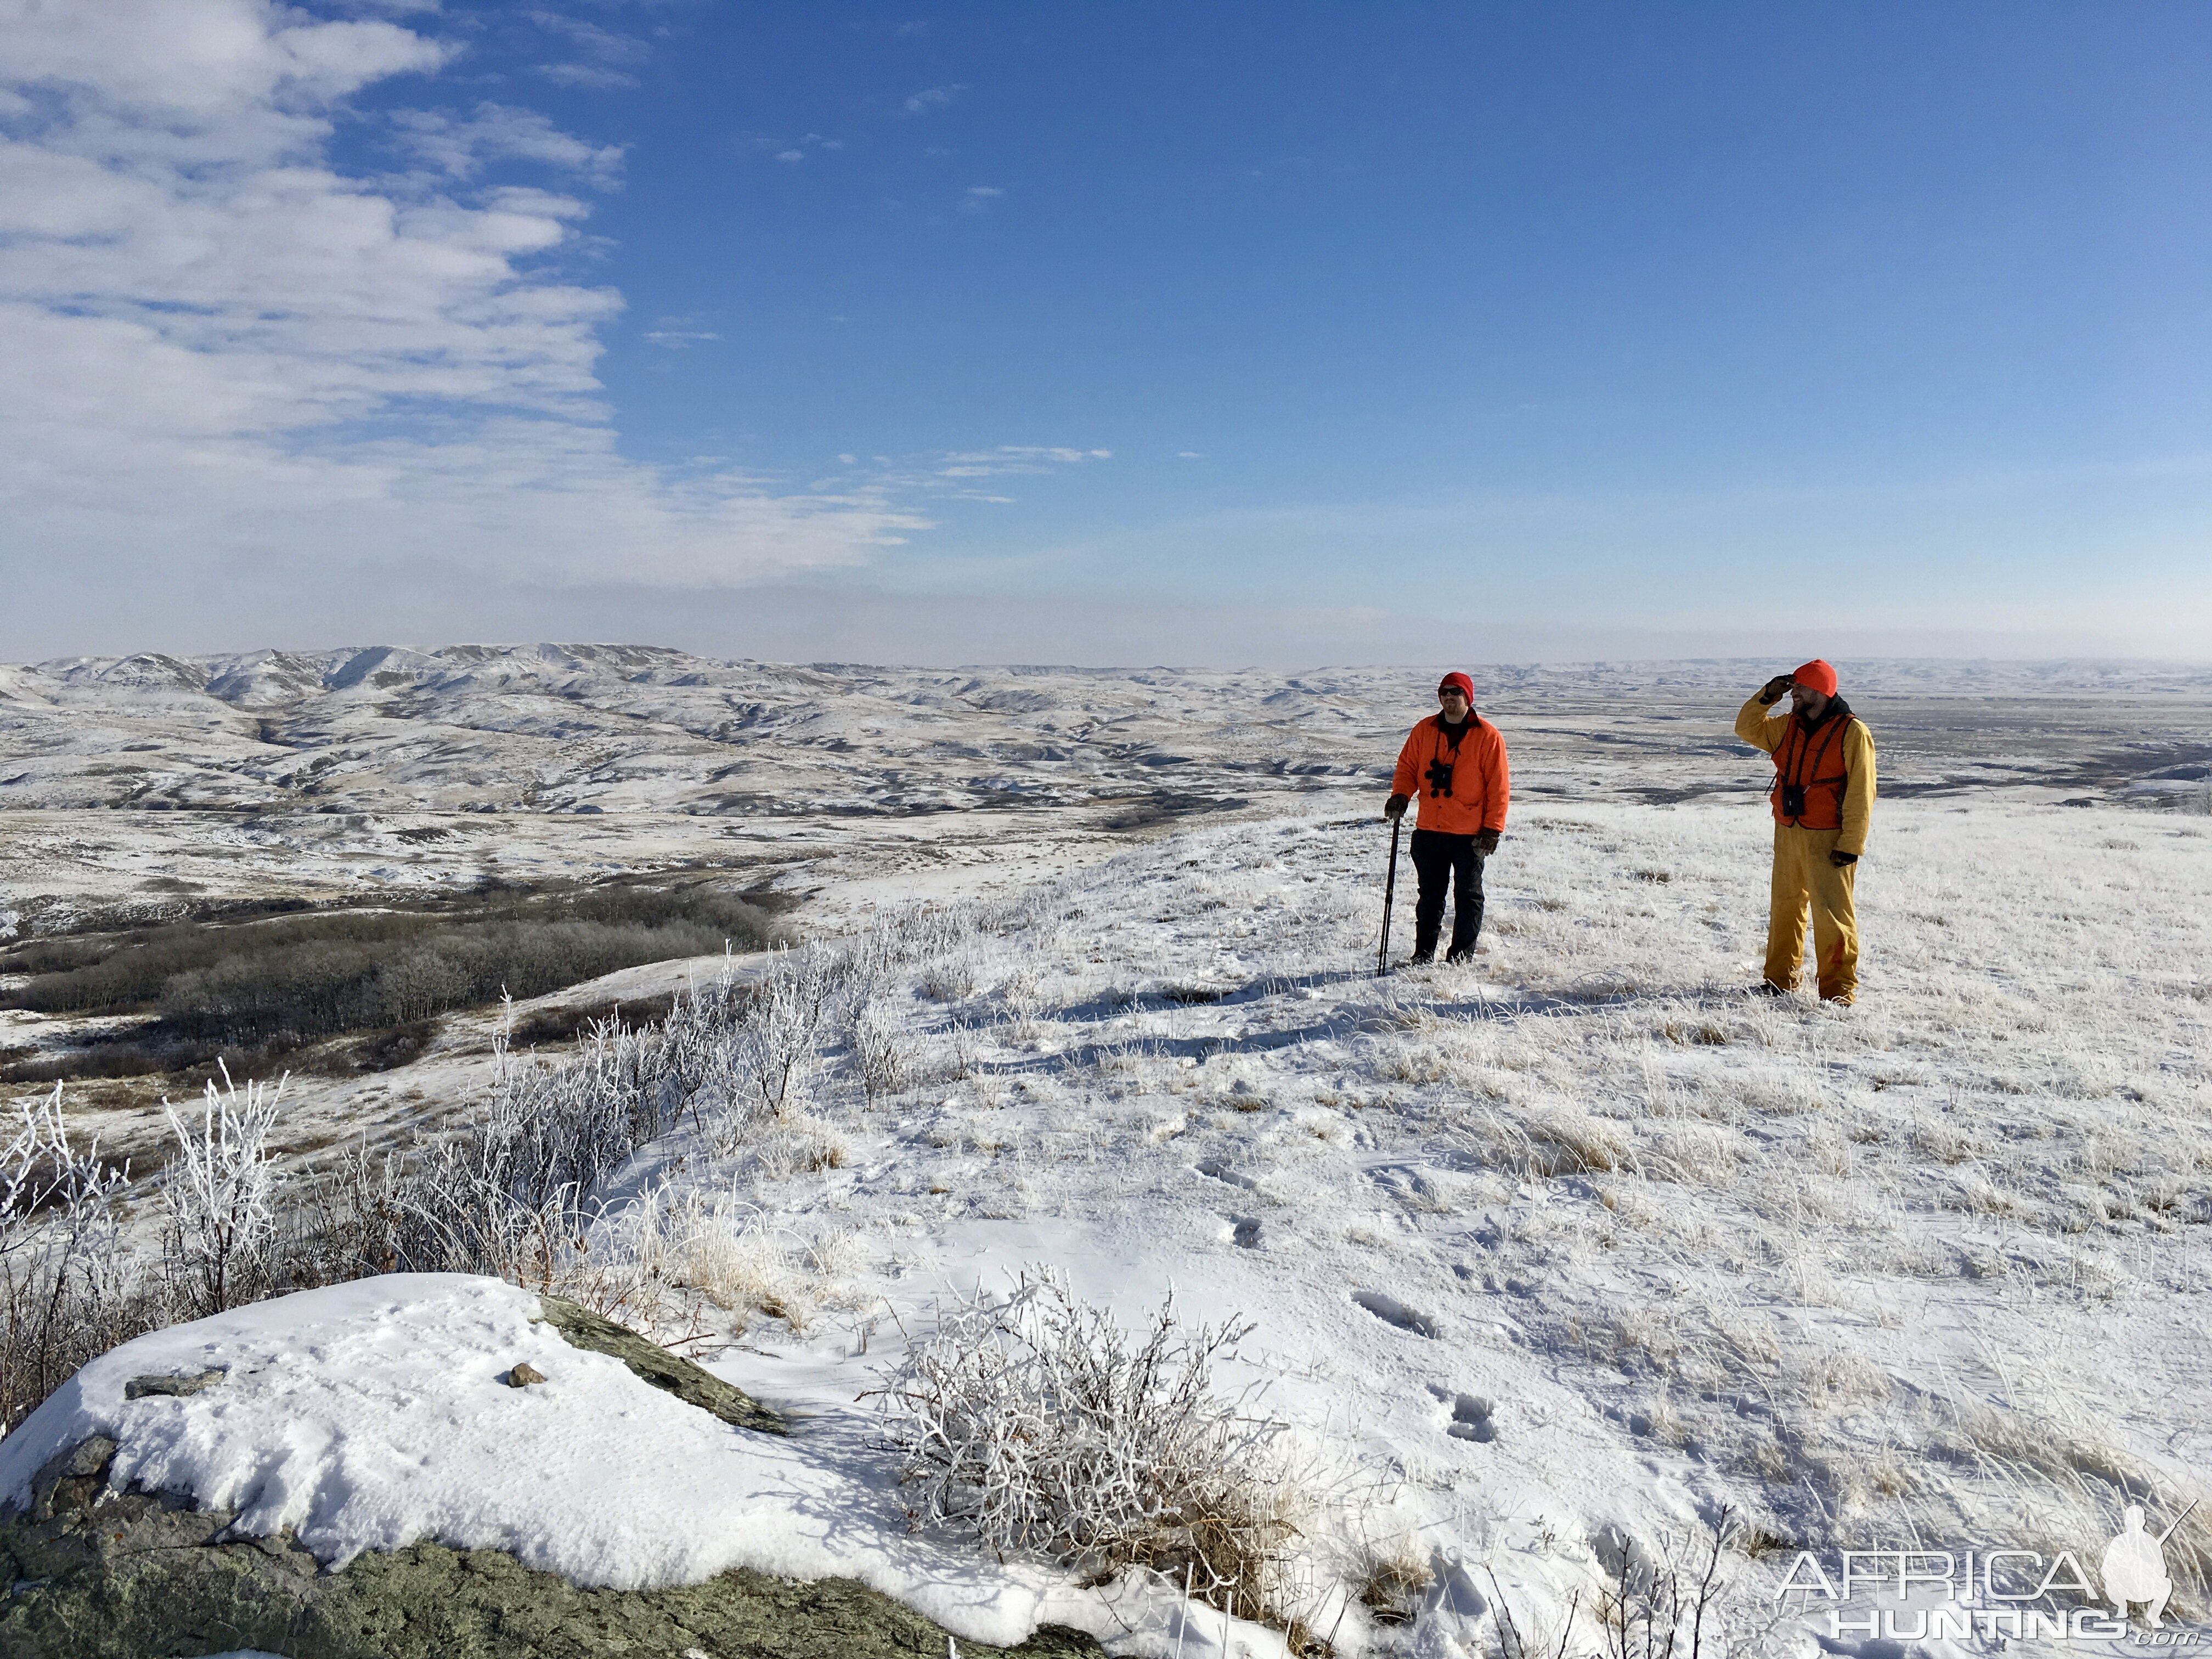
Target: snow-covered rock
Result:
[[368, 1416]]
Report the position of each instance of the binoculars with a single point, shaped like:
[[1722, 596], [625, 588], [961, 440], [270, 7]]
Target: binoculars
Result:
[[1440, 777]]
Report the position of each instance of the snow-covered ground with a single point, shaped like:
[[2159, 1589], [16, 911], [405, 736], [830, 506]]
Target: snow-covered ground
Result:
[[1584, 1238], [389, 776], [1569, 1248]]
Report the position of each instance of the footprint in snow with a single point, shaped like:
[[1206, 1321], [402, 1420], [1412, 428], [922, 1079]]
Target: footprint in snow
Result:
[[1472, 1419], [1221, 1169], [1246, 1231], [1402, 1180], [1391, 1312]]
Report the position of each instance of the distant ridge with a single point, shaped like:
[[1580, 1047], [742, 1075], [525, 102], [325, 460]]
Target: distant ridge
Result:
[[584, 727]]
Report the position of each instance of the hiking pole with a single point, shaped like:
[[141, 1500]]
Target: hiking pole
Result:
[[1389, 895]]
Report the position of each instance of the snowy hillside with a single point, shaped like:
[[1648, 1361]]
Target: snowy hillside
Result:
[[1547, 1263], [1585, 1239], [354, 776], [1574, 1248], [572, 728]]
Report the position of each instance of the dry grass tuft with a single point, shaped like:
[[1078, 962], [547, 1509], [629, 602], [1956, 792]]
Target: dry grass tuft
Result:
[[1390, 1579], [1040, 1426]]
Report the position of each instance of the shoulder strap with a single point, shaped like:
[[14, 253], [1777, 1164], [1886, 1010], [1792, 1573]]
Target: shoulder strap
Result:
[[1813, 767]]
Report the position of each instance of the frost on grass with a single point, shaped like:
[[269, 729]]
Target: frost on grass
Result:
[[1931, 1268], [66, 1292], [1040, 1425], [219, 1197]]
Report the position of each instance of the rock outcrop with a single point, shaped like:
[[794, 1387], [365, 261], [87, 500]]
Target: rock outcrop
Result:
[[694, 1384], [99, 1560], [98, 1576]]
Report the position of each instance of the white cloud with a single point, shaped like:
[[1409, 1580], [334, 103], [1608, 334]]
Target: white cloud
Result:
[[592, 76], [980, 197], [676, 339], [930, 98], [609, 56], [184, 59], [797, 151], [226, 355], [1014, 459], [461, 149], [600, 42]]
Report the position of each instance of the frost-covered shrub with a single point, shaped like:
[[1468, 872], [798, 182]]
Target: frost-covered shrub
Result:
[[219, 1198], [1676, 1600], [66, 1293], [775, 1051], [1040, 1425], [881, 1050], [949, 978], [1025, 998], [513, 1193]]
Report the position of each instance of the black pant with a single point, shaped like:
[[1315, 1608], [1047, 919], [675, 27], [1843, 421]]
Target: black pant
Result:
[[1439, 859]]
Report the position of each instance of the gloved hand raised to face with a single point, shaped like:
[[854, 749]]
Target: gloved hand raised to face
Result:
[[1394, 808], [1485, 841], [1774, 688]]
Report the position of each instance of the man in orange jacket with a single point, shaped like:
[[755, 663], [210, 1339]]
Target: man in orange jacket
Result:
[[1823, 798], [1455, 761]]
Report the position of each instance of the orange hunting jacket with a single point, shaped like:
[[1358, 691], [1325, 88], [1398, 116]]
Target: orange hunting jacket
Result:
[[1836, 766], [1481, 783]]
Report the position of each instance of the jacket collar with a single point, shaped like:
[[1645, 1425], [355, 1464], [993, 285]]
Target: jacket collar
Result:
[[1837, 708]]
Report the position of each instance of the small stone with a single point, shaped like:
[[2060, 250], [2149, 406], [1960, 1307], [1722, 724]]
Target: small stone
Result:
[[139, 1387], [88, 1458], [523, 1374], [72, 1480]]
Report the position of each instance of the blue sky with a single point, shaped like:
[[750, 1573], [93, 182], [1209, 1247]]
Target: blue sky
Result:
[[1280, 334]]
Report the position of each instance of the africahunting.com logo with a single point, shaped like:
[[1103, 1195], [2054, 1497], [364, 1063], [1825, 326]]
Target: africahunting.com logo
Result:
[[1919, 1595]]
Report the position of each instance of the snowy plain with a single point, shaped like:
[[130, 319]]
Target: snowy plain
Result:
[[1583, 1239], [1567, 1248], [142, 789]]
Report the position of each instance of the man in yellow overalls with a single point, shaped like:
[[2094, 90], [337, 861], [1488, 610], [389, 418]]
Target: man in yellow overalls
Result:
[[1823, 803]]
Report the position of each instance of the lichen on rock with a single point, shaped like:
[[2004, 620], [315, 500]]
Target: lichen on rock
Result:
[[97, 1575], [275, 1478]]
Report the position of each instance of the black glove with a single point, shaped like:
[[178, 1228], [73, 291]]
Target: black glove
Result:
[[1839, 859], [1394, 808], [1774, 689], [1485, 841]]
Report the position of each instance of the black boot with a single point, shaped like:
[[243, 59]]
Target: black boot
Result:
[[1425, 946], [1466, 925]]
